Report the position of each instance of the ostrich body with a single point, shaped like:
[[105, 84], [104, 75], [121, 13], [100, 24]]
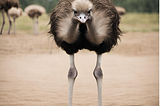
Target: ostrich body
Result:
[[34, 11], [15, 13], [85, 24], [5, 5]]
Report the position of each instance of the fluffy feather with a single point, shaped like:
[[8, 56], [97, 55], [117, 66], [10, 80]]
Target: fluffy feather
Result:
[[7, 4], [100, 35], [34, 10], [82, 5]]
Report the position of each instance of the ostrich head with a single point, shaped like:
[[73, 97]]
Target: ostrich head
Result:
[[82, 10]]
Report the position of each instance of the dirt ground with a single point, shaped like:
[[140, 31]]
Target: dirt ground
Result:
[[31, 76]]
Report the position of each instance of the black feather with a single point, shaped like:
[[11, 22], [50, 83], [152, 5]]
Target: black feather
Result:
[[64, 7]]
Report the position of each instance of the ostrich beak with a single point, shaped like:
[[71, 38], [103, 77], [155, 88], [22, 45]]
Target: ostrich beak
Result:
[[82, 18]]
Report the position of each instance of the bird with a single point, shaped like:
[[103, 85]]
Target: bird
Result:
[[121, 10], [15, 13], [85, 24], [5, 5], [34, 11]]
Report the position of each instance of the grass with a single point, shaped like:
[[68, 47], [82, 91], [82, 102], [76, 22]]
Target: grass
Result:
[[134, 22], [25, 23], [130, 22]]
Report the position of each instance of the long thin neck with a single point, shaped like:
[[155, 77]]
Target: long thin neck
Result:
[[72, 32], [92, 32]]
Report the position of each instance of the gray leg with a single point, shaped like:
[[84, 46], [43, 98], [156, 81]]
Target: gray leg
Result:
[[10, 23], [72, 74], [14, 21], [35, 25], [37, 29], [99, 76], [3, 21]]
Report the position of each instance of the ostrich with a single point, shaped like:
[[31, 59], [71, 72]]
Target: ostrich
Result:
[[5, 5], [15, 13], [85, 24], [34, 11], [121, 10]]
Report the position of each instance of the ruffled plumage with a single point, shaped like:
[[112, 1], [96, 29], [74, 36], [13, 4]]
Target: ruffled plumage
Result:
[[105, 20]]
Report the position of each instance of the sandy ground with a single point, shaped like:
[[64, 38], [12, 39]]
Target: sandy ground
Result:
[[30, 76]]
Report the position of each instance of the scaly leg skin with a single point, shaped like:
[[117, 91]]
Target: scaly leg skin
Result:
[[99, 76], [10, 23], [72, 74], [3, 21]]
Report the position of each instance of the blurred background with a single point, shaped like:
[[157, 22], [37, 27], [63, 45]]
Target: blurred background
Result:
[[130, 5], [139, 14]]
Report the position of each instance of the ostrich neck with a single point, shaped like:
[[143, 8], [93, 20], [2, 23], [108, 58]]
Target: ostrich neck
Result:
[[92, 31], [72, 32]]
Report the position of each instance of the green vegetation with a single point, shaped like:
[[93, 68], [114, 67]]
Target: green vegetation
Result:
[[25, 23], [131, 22], [47, 4], [134, 22], [148, 6], [142, 15], [130, 5]]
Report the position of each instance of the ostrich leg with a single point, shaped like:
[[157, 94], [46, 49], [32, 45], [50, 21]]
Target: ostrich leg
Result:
[[72, 74], [99, 75], [35, 25], [10, 23], [14, 21], [3, 21]]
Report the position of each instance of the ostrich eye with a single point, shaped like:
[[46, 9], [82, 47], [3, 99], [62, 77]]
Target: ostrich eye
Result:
[[89, 11], [75, 12]]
